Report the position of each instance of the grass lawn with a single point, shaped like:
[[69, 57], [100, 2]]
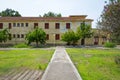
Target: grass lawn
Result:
[[31, 59], [96, 64]]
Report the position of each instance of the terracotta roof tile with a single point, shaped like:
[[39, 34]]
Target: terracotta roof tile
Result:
[[31, 19]]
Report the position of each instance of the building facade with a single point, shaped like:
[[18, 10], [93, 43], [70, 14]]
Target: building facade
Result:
[[53, 26]]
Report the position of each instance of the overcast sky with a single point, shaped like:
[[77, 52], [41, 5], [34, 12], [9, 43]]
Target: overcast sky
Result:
[[92, 8]]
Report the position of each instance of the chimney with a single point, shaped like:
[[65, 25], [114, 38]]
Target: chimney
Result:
[[78, 16]]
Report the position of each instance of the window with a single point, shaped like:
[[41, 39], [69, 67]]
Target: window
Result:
[[46, 25], [14, 24], [22, 35], [104, 39], [57, 25], [67, 25], [10, 26], [1, 25], [35, 25], [47, 37], [57, 37], [26, 24], [18, 24], [14, 36], [10, 35], [22, 24], [18, 36]]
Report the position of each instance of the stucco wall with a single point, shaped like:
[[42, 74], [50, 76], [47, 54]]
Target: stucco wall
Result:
[[51, 31]]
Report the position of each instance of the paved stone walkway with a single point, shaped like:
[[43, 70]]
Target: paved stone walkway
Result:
[[61, 67]]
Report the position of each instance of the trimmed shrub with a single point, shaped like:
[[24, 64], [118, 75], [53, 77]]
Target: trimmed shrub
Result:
[[21, 45], [109, 45]]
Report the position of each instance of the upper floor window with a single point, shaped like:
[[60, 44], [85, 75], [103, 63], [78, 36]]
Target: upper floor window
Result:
[[35, 25], [18, 24], [67, 25], [57, 25], [22, 35], [46, 25], [14, 24], [1, 25], [22, 24], [10, 26], [26, 24], [18, 36], [57, 37]]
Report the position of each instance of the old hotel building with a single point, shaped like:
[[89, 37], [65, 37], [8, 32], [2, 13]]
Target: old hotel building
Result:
[[54, 28]]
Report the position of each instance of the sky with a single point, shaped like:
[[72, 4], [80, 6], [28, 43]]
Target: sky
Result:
[[34, 8]]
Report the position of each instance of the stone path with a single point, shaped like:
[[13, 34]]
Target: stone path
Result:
[[61, 67], [22, 74]]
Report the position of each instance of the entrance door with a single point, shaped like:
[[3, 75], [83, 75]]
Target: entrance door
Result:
[[82, 41], [96, 40]]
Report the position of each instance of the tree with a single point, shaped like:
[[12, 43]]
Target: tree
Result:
[[85, 32], [52, 14], [4, 35], [10, 13], [70, 37], [110, 19], [37, 35]]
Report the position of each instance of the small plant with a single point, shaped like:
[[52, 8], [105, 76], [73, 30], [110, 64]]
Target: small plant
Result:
[[40, 67], [117, 60], [21, 45], [109, 45]]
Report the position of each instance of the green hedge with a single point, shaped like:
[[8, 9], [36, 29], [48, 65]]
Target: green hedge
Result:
[[21, 45], [109, 45]]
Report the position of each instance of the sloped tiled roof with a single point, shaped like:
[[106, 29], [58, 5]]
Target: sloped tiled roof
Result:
[[36, 19]]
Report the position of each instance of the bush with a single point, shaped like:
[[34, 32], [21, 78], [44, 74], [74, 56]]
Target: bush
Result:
[[70, 37], [117, 60], [109, 45], [21, 45]]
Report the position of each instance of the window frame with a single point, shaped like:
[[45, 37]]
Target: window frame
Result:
[[35, 25], [9, 25], [47, 36], [22, 24], [57, 25], [68, 25], [57, 36], [14, 24], [46, 25], [1, 25], [22, 35], [14, 36], [18, 35], [26, 24], [18, 24]]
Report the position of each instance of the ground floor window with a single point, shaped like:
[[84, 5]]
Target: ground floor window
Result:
[[104, 39], [47, 37], [57, 37], [14, 36]]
